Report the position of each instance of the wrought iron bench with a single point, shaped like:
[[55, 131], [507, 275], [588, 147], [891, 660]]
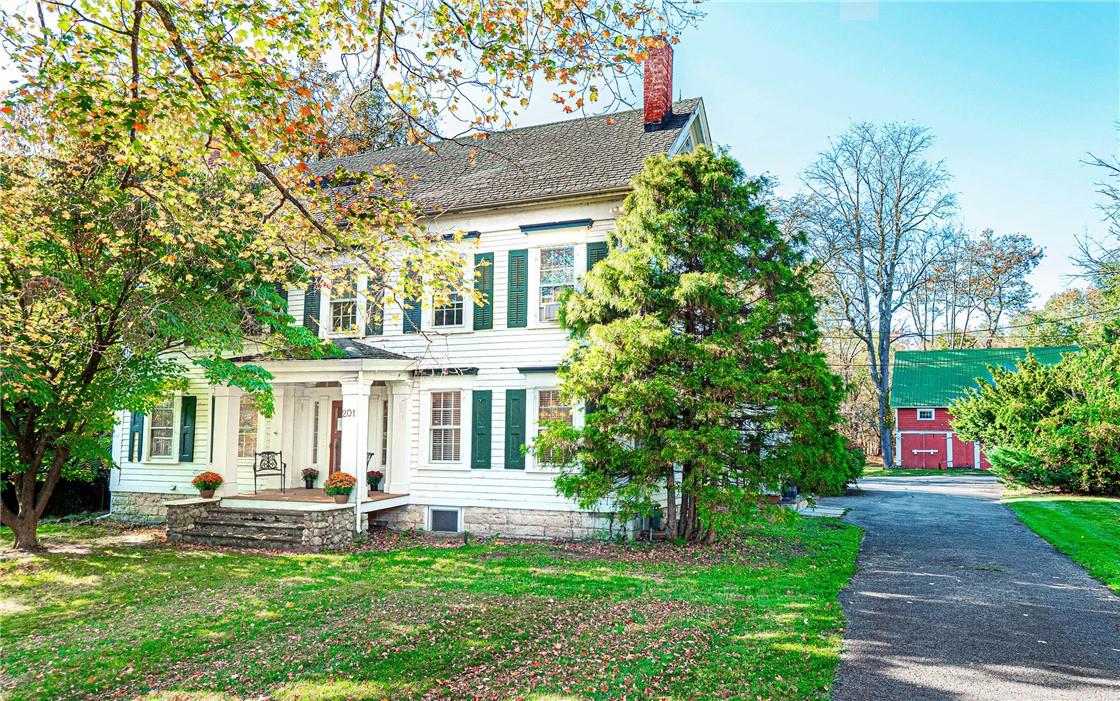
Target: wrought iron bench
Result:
[[270, 463]]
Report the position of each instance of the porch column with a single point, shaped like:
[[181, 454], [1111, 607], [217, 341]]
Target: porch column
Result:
[[397, 468], [227, 410], [355, 439], [284, 428]]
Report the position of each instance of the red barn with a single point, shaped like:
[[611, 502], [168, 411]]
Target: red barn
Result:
[[925, 383]]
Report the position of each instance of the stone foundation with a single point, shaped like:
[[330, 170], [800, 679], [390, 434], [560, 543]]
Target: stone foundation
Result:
[[515, 523], [145, 507]]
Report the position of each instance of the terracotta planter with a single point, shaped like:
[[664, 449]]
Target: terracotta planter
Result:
[[206, 493], [341, 498]]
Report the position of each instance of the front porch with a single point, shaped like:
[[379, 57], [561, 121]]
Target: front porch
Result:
[[298, 498]]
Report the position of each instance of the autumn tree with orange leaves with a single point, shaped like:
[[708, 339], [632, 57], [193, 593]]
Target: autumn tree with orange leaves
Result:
[[157, 181]]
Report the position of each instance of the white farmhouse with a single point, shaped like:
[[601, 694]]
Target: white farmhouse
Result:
[[440, 400]]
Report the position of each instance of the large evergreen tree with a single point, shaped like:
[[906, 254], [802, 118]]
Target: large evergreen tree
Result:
[[696, 353]]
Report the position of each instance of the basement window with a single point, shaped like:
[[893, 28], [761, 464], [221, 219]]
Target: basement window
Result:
[[925, 414], [443, 520]]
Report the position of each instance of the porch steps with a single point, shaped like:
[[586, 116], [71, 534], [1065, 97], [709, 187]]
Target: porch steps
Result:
[[274, 529]]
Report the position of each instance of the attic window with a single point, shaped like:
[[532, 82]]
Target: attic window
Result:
[[925, 414]]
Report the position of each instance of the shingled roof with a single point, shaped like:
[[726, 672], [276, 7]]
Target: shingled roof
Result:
[[937, 378], [561, 159]]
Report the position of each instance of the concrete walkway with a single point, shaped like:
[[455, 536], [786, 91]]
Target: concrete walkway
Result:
[[955, 599]]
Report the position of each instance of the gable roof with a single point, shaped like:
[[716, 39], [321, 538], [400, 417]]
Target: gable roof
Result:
[[937, 378], [546, 161]]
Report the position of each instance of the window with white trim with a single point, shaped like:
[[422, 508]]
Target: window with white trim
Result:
[[445, 431], [344, 309], [451, 313], [162, 432], [925, 414], [246, 428], [551, 408], [558, 273]]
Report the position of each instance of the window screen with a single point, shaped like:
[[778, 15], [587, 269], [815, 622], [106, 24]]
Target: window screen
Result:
[[445, 520]]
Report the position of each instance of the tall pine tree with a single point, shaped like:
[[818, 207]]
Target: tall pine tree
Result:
[[696, 354]]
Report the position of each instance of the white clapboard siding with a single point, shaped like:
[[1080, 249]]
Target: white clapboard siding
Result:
[[497, 354]]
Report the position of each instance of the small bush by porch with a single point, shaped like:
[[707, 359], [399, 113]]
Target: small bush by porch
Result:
[[413, 616]]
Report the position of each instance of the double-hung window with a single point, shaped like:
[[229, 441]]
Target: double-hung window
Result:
[[451, 313], [558, 273], [163, 429], [551, 408], [344, 309], [247, 428], [445, 432]]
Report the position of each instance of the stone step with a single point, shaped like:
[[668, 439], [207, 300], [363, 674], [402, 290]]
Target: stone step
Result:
[[259, 516], [218, 518], [193, 538], [292, 535]]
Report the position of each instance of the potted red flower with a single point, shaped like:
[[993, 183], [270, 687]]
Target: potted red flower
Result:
[[373, 479], [339, 485], [310, 474], [206, 483]]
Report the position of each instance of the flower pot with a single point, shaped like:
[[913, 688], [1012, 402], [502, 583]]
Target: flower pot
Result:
[[341, 498], [374, 485], [206, 493], [309, 483]]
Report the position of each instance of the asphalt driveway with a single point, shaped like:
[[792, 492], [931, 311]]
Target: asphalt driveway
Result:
[[955, 599]]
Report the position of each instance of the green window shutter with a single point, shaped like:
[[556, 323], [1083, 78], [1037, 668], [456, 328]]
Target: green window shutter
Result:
[[412, 316], [136, 437], [596, 252], [482, 400], [515, 429], [186, 428], [375, 311], [484, 283], [311, 308], [517, 313]]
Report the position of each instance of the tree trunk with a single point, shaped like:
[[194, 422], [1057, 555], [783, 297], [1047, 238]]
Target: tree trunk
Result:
[[886, 435], [25, 528], [670, 502]]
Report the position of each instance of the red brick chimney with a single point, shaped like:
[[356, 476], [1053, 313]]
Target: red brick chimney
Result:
[[657, 84]]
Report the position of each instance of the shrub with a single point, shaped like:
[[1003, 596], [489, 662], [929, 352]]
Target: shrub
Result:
[[1055, 427], [206, 481], [339, 483]]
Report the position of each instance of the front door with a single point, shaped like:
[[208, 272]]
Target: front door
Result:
[[336, 436]]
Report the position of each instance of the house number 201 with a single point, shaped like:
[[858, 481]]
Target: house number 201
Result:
[[347, 413]]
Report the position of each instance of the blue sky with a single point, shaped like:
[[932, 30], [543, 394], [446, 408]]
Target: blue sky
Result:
[[1016, 94]]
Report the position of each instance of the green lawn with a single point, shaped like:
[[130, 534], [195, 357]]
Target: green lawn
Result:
[[878, 471], [106, 616], [1085, 528]]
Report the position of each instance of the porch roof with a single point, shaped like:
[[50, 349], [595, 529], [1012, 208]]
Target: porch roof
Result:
[[347, 348]]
